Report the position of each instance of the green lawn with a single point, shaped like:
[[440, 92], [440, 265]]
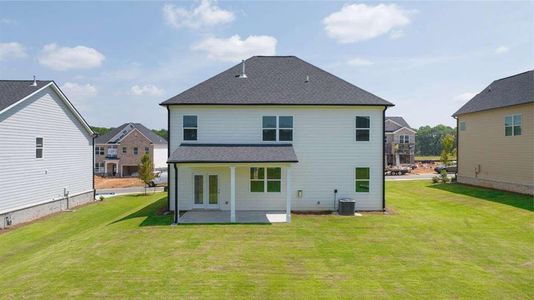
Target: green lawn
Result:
[[442, 241]]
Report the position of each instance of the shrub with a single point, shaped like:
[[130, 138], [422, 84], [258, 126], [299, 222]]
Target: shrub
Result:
[[435, 179], [101, 198]]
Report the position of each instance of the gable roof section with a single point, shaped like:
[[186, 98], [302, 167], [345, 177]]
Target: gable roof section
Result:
[[276, 80], [13, 92], [508, 91], [233, 153], [149, 134], [396, 123]]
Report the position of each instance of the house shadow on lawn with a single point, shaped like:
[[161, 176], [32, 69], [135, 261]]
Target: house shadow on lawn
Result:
[[516, 200], [153, 214]]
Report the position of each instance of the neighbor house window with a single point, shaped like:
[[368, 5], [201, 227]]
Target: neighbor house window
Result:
[[99, 150], [265, 179], [39, 147], [124, 150], [135, 150], [404, 139], [362, 180], [277, 128], [512, 125], [462, 126], [362, 128], [99, 167], [146, 150], [190, 125]]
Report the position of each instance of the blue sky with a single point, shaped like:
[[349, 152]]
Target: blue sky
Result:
[[116, 61]]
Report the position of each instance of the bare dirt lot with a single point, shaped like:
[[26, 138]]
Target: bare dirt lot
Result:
[[424, 168], [109, 183]]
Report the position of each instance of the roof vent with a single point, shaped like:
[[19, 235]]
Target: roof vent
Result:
[[34, 83], [243, 74], [307, 79]]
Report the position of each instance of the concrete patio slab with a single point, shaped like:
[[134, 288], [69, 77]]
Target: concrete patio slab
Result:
[[223, 216]]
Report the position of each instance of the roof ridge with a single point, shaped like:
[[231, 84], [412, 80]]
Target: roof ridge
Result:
[[518, 74], [24, 80]]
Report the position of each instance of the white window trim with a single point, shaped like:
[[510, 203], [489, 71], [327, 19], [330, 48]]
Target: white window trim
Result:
[[404, 139], [101, 151], [39, 147], [265, 180], [277, 129], [184, 128], [361, 128], [513, 124], [356, 179], [462, 126]]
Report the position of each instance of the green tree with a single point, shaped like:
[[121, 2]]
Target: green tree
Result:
[[101, 130], [447, 146], [162, 132], [428, 139], [146, 170]]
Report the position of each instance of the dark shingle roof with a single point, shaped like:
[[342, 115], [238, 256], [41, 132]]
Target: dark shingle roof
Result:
[[508, 91], [154, 138], [12, 91], [233, 153], [276, 80], [393, 127]]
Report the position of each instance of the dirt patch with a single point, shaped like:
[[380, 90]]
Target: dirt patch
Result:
[[424, 168], [110, 183]]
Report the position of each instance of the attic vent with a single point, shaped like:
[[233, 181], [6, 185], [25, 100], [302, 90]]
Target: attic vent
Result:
[[34, 83], [243, 74], [307, 79]]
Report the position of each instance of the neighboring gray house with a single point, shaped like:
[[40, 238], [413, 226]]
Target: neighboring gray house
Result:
[[400, 142], [119, 152], [275, 133], [46, 152]]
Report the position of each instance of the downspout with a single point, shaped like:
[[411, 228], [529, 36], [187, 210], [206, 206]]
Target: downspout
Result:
[[168, 154], [93, 166], [457, 147], [176, 211], [383, 159]]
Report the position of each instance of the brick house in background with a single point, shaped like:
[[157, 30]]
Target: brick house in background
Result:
[[400, 142], [119, 152]]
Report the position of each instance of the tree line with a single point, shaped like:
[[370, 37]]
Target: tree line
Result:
[[428, 140], [103, 130]]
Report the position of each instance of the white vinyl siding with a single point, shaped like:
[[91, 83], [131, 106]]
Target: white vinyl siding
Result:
[[324, 142], [67, 155]]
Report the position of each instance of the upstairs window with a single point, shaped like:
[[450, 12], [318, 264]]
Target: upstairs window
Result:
[[512, 125], [39, 147], [404, 139], [265, 179], [99, 150], [135, 150], [362, 179], [124, 150], [147, 150], [277, 128], [462, 126], [190, 125], [363, 125]]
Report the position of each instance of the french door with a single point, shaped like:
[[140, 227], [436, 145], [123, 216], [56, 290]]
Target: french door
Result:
[[206, 191]]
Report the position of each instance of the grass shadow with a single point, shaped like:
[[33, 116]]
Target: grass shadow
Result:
[[508, 198], [152, 214]]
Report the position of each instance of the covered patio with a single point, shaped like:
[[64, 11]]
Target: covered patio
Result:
[[242, 216], [232, 156]]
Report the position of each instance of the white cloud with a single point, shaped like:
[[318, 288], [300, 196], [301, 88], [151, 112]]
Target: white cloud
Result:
[[396, 34], [207, 13], [359, 62], [77, 91], [502, 50], [146, 90], [12, 50], [235, 49], [358, 22], [464, 97], [66, 58]]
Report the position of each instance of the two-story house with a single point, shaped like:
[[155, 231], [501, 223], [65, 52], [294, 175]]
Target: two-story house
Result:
[[46, 152], [400, 142], [275, 133], [119, 152], [495, 136]]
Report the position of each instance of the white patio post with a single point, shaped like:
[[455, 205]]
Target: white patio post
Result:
[[105, 168], [232, 194], [288, 194]]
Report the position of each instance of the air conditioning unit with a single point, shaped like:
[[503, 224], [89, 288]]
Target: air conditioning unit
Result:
[[8, 221]]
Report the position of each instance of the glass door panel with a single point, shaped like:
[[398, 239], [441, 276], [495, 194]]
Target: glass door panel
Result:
[[213, 189], [199, 189]]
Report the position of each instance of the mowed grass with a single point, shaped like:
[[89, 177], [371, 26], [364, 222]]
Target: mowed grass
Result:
[[440, 241]]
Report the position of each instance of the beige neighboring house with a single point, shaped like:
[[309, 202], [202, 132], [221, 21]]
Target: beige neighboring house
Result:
[[400, 142], [496, 138], [119, 152]]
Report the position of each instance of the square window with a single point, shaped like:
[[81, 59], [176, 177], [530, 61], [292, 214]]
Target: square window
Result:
[[285, 122], [362, 135], [190, 134], [269, 135], [363, 122], [190, 121], [256, 186], [362, 186], [517, 130], [286, 135], [257, 173], [269, 122], [274, 173], [508, 131], [362, 173], [273, 186]]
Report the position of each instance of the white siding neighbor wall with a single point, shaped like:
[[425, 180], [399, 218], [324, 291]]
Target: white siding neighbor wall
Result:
[[67, 153], [160, 156], [324, 142]]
